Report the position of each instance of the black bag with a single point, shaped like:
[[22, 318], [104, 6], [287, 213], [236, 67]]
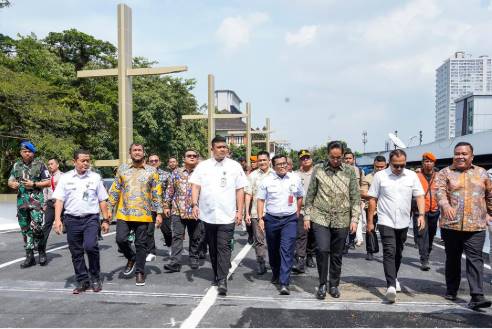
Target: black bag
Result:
[[372, 244]]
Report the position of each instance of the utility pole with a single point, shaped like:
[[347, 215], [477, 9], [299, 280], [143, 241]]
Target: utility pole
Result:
[[420, 137], [364, 139]]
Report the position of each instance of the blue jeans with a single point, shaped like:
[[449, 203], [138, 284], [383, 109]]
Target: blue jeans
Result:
[[281, 234], [82, 233]]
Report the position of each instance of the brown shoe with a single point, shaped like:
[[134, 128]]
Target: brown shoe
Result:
[[140, 279], [81, 287]]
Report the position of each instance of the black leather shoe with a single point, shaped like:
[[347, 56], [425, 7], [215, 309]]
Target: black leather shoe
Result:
[[321, 293], [251, 240], [173, 267], [310, 262], [194, 264], [274, 279], [130, 268], [261, 268], [202, 255], [222, 287], [81, 287], [478, 301], [334, 292], [43, 259], [284, 290], [140, 279], [96, 285], [29, 261], [424, 265], [451, 297], [369, 256], [299, 266]]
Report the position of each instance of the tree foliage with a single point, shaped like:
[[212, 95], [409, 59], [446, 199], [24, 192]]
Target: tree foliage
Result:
[[41, 99]]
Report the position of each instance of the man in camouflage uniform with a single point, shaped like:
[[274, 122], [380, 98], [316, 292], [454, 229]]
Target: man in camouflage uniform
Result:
[[29, 176]]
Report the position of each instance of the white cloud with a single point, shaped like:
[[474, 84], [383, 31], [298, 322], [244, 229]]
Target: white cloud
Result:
[[236, 32], [303, 37]]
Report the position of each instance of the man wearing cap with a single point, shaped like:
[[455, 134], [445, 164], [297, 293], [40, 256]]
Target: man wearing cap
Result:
[[425, 237], [29, 176], [305, 244]]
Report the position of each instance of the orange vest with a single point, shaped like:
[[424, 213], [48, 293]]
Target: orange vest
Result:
[[430, 194]]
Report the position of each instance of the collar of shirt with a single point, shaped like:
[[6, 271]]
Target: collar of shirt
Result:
[[276, 176], [142, 165], [327, 166], [218, 163], [75, 173], [452, 167], [390, 172]]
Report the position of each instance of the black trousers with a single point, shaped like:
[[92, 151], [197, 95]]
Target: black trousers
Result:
[[166, 229], [393, 241], [455, 243], [82, 238], [305, 242], [202, 243], [425, 238], [140, 228], [329, 252], [150, 245], [179, 225], [49, 218], [219, 238]]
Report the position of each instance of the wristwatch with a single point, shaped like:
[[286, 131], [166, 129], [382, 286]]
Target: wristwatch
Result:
[[194, 205]]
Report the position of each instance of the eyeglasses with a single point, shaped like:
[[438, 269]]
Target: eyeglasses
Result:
[[281, 164], [153, 161], [191, 156], [398, 166], [338, 159], [305, 158]]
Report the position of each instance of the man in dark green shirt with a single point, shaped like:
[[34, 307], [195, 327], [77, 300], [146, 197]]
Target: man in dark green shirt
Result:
[[332, 207]]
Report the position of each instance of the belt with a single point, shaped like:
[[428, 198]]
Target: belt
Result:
[[81, 217]]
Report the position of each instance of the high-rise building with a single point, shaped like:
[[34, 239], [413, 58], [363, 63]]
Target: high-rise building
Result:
[[457, 76]]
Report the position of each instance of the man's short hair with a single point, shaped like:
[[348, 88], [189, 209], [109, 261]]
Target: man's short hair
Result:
[[190, 150], [218, 139], [349, 152], [379, 158], [278, 156], [54, 159], [335, 145], [263, 153], [136, 144], [154, 155], [397, 153], [79, 152], [464, 144]]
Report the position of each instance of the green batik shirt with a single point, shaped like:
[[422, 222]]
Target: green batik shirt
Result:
[[35, 171], [333, 196]]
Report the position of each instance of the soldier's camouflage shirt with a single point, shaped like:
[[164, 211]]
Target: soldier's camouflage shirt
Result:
[[333, 196], [35, 171]]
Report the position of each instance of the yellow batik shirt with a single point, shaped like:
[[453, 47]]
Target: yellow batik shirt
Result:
[[137, 192]]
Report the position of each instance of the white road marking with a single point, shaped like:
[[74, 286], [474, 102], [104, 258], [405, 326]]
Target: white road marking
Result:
[[47, 251], [211, 296], [10, 231], [462, 256]]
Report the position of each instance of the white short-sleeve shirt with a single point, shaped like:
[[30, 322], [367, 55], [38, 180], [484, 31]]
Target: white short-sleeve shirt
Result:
[[281, 193], [394, 194], [81, 194], [218, 182]]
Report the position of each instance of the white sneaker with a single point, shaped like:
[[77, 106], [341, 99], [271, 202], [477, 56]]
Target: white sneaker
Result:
[[398, 287], [391, 294], [150, 258]]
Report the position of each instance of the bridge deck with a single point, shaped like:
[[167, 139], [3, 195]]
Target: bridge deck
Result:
[[41, 296]]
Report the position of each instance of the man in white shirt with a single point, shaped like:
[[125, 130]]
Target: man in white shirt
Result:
[[82, 194], [255, 179], [281, 195], [217, 195], [392, 190]]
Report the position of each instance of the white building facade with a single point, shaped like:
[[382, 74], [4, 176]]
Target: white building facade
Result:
[[459, 75], [473, 114]]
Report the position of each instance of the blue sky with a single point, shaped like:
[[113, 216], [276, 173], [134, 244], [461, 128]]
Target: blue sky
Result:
[[345, 65]]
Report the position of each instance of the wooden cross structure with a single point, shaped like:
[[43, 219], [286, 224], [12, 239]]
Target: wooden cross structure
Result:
[[250, 132], [125, 72], [211, 115]]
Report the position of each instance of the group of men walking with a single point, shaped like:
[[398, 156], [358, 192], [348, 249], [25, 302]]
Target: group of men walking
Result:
[[293, 216]]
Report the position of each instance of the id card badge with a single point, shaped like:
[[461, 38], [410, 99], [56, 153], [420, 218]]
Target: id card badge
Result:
[[291, 200], [223, 182]]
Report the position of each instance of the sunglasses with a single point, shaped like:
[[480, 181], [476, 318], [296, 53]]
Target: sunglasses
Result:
[[305, 158], [399, 166], [191, 156], [153, 161]]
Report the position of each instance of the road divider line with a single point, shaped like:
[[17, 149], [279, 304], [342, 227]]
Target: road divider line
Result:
[[47, 251], [211, 296]]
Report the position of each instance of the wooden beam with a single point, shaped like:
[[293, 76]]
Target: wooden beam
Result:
[[194, 116], [106, 163], [97, 73], [156, 70]]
